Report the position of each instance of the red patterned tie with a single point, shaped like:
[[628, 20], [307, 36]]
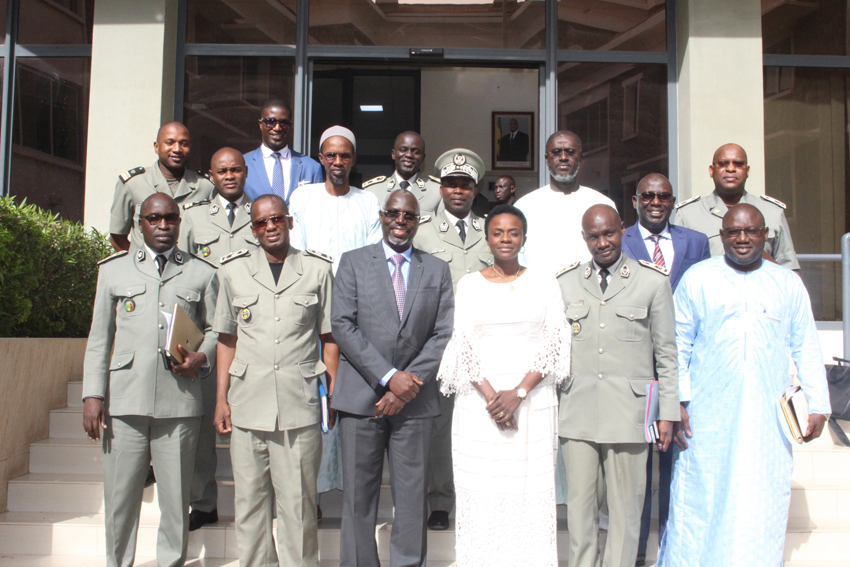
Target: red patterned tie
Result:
[[398, 283], [657, 256]]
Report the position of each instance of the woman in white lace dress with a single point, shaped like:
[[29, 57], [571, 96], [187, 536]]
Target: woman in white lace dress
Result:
[[510, 348]]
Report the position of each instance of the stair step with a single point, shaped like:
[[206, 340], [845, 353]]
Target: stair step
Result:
[[67, 423]]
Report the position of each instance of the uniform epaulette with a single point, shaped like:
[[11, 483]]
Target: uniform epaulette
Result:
[[572, 266], [374, 180], [233, 255], [321, 255], [187, 206], [116, 255], [434, 179], [688, 202], [776, 202], [204, 174], [131, 173], [656, 267], [199, 257], [425, 218]]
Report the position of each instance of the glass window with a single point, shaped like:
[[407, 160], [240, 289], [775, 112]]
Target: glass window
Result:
[[611, 25], [241, 21], [420, 23], [620, 113], [223, 98], [805, 27], [806, 167], [55, 21], [49, 133]]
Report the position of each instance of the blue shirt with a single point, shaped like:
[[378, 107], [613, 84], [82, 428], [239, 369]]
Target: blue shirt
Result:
[[405, 271]]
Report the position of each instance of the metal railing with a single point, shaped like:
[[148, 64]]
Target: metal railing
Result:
[[844, 258]]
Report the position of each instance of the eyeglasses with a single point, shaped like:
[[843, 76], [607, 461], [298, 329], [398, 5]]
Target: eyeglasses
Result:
[[331, 156], [558, 152], [156, 220], [752, 231], [406, 215], [260, 225], [270, 122], [649, 196]]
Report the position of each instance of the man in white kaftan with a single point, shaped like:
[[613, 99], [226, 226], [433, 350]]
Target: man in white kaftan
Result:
[[739, 321]]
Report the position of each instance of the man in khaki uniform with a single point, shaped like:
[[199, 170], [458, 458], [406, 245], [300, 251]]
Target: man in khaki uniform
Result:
[[168, 175], [213, 228], [149, 412], [621, 313], [274, 307], [455, 235], [408, 153], [729, 170]]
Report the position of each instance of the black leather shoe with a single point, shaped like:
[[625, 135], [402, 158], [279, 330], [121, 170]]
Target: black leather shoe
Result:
[[198, 519], [438, 521], [641, 560], [150, 479], [318, 513]]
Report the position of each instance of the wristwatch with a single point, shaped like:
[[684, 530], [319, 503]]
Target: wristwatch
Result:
[[521, 392]]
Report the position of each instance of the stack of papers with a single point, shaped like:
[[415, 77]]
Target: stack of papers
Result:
[[651, 415]]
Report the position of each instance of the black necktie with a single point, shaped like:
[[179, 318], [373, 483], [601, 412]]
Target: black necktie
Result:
[[404, 184], [462, 230], [160, 263], [231, 213], [603, 283]]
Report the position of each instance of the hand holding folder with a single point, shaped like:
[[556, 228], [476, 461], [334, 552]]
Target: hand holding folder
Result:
[[182, 342]]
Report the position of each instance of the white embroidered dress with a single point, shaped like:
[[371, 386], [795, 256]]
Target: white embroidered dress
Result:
[[505, 480]]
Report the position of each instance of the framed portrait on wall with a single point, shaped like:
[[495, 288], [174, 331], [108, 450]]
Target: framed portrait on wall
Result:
[[513, 140]]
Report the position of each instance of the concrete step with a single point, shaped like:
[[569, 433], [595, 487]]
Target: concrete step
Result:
[[75, 394], [67, 423]]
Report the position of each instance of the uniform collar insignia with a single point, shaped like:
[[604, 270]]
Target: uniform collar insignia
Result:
[[140, 255], [391, 183], [420, 183], [624, 271], [178, 257], [476, 225], [248, 208], [444, 226], [214, 210], [587, 271]]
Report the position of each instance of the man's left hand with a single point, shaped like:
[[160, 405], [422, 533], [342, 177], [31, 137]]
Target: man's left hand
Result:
[[665, 430], [389, 405], [192, 362], [815, 427]]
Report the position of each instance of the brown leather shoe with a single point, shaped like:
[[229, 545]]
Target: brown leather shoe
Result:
[[438, 521]]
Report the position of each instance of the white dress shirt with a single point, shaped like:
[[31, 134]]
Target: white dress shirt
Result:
[[238, 202], [665, 242], [285, 164], [611, 269], [453, 221]]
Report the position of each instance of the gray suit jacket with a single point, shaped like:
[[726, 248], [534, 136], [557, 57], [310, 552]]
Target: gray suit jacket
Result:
[[372, 340]]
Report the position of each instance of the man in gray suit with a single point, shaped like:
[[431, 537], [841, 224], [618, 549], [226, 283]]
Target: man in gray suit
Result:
[[392, 314], [148, 411]]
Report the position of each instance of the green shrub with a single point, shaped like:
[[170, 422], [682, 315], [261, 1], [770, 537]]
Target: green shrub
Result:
[[48, 272]]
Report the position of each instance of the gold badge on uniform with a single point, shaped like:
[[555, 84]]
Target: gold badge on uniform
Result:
[[245, 314], [624, 271], [129, 305], [576, 328], [204, 250]]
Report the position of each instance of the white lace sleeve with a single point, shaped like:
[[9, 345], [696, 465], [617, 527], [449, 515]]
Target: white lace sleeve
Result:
[[461, 365], [553, 355]]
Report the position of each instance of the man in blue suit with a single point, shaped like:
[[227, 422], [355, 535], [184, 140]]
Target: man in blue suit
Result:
[[274, 167], [676, 248]]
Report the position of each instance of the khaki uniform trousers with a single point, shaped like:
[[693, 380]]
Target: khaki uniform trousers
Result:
[[204, 493], [276, 467], [130, 444], [624, 469]]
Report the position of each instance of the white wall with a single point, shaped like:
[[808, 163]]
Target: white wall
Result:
[[457, 107]]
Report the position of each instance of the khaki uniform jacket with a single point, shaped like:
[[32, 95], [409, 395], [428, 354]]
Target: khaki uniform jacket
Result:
[[705, 214], [438, 237], [136, 185], [274, 377], [206, 233], [426, 189], [615, 337], [123, 364]]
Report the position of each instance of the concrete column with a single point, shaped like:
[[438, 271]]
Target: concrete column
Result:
[[132, 93], [719, 89]]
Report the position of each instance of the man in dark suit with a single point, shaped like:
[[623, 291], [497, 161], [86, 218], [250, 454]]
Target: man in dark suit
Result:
[[392, 314], [514, 145], [274, 167], [676, 248]]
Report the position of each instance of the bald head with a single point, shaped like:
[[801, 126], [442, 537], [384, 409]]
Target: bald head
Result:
[[159, 202], [602, 230], [654, 202], [729, 170], [743, 236], [735, 148], [173, 146], [743, 214], [228, 173], [159, 221]]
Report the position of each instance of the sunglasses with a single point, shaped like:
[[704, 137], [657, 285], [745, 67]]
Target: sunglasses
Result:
[[406, 215], [270, 122], [649, 196], [752, 231], [156, 220], [331, 156], [260, 225], [558, 152]]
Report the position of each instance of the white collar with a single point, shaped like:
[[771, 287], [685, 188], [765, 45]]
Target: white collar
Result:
[[612, 268], [267, 152], [153, 254], [238, 202], [399, 179], [645, 234], [453, 219]]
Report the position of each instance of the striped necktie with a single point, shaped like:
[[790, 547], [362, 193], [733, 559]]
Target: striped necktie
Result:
[[398, 283], [657, 256]]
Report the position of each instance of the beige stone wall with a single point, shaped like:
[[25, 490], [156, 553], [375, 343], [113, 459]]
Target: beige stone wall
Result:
[[33, 380]]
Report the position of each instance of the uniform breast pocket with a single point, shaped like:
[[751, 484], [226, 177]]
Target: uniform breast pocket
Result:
[[304, 307], [244, 308], [237, 387], [131, 300], [577, 318], [188, 299], [204, 244], [632, 323]]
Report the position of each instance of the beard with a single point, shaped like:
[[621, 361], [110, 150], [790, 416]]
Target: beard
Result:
[[568, 178], [337, 180]]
